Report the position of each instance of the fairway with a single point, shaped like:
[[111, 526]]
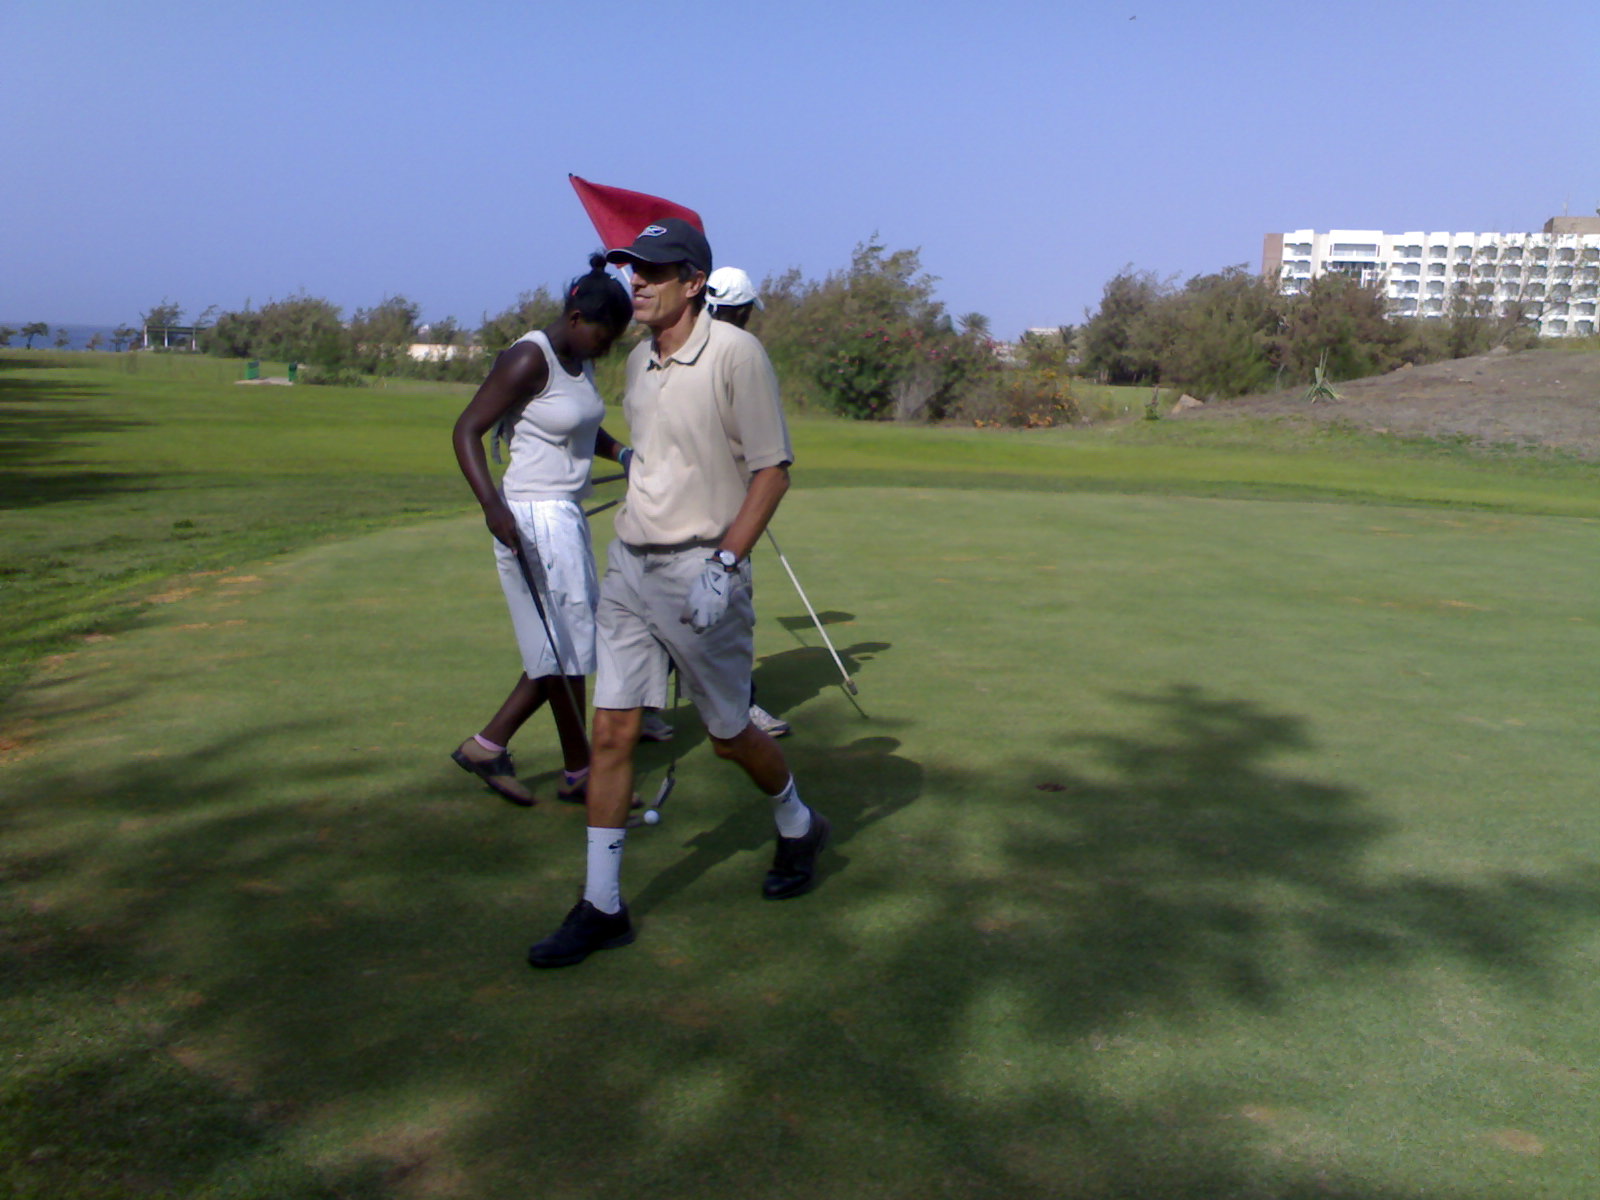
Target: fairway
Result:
[[1188, 846]]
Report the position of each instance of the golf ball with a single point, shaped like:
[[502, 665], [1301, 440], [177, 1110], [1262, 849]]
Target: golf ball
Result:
[[652, 817]]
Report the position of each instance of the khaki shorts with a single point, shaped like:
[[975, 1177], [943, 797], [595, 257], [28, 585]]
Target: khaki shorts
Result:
[[641, 602]]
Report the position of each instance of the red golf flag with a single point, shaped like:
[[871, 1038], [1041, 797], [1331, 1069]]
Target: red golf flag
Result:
[[619, 214]]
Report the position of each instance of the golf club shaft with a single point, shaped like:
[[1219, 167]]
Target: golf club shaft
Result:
[[521, 551], [652, 815], [849, 684], [671, 780]]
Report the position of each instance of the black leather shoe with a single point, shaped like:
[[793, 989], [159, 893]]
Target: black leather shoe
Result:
[[585, 930], [794, 865]]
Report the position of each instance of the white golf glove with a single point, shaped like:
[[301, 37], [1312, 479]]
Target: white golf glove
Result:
[[708, 597]]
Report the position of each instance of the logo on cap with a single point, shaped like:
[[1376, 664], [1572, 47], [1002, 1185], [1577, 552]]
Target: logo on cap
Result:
[[653, 231]]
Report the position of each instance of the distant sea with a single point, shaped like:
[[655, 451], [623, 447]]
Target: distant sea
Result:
[[77, 335]]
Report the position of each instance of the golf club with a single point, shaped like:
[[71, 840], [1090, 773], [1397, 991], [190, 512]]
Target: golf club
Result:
[[600, 508], [849, 684], [521, 552], [652, 814]]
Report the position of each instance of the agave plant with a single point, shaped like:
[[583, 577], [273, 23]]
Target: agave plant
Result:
[[1320, 388]]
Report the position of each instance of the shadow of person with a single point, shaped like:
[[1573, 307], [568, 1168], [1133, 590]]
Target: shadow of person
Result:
[[783, 681], [791, 677], [856, 786]]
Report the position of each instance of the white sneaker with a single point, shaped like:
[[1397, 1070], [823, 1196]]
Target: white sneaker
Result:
[[653, 727], [768, 724]]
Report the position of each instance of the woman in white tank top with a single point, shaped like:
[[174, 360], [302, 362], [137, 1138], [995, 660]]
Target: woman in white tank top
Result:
[[541, 393]]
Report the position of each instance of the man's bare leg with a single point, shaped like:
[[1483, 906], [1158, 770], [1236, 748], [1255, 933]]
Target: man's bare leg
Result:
[[802, 833], [758, 753], [600, 919], [616, 733]]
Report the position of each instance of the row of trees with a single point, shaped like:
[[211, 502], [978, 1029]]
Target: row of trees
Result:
[[120, 337], [374, 340], [1233, 332], [873, 341]]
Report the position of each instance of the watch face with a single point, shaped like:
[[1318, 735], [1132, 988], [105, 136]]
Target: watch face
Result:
[[727, 558]]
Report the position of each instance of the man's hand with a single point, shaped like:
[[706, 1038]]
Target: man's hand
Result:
[[625, 460], [708, 597], [501, 523]]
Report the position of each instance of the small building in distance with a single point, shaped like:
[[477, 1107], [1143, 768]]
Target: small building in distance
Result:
[[440, 351], [1551, 278]]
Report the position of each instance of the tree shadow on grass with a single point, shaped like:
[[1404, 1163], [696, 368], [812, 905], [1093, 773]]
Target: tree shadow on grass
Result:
[[856, 786], [926, 1024], [1189, 879], [40, 420]]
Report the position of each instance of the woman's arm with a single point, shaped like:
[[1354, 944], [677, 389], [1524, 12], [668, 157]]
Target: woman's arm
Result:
[[518, 373], [607, 446]]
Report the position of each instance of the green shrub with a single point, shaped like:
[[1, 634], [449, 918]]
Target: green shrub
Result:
[[1022, 398], [872, 342], [338, 376]]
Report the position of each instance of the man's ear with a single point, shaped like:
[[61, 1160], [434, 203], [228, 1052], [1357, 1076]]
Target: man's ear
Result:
[[696, 285]]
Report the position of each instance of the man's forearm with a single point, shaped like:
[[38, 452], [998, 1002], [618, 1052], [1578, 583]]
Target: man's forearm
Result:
[[767, 487]]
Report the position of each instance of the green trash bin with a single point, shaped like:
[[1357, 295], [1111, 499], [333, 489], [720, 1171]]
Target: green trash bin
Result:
[[252, 369], [294, 372]]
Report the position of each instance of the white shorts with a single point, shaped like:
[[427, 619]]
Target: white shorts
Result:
[[641, 606], [562, 563]]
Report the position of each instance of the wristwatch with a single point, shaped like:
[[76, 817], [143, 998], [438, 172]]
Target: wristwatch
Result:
[[728, 559]]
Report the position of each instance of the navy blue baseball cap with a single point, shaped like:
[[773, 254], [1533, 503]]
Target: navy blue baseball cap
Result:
[[667, 241]]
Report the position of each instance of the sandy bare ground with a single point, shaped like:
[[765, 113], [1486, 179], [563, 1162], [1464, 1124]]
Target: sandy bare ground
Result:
[[1539, 399]]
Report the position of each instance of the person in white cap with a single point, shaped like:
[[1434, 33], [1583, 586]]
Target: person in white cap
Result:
[[731, 297]]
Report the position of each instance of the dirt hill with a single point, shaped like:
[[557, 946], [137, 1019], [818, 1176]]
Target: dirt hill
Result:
[[1539, 399]]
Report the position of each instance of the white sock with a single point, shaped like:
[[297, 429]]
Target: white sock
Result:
[[793, 818], [603, 885]]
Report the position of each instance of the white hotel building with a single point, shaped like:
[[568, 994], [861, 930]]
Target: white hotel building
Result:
[[1553, 275]]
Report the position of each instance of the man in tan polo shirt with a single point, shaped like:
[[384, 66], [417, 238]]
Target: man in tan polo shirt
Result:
[[711, 462]]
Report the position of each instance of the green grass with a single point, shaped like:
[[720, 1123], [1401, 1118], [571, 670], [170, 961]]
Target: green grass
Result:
[[1215, 823]]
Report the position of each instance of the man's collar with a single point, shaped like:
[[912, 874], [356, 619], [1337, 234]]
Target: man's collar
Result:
[[692, 346]]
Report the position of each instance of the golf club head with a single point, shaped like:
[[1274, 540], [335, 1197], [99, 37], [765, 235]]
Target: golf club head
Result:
[[652, 814], [667, 784], [850, 686]]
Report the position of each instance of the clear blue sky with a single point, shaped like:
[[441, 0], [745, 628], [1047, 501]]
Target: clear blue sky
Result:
[[237, 151]]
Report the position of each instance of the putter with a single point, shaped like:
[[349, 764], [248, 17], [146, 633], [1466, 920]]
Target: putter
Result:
[[600, 508], [849, 684], [652, 814], [520, 549]]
